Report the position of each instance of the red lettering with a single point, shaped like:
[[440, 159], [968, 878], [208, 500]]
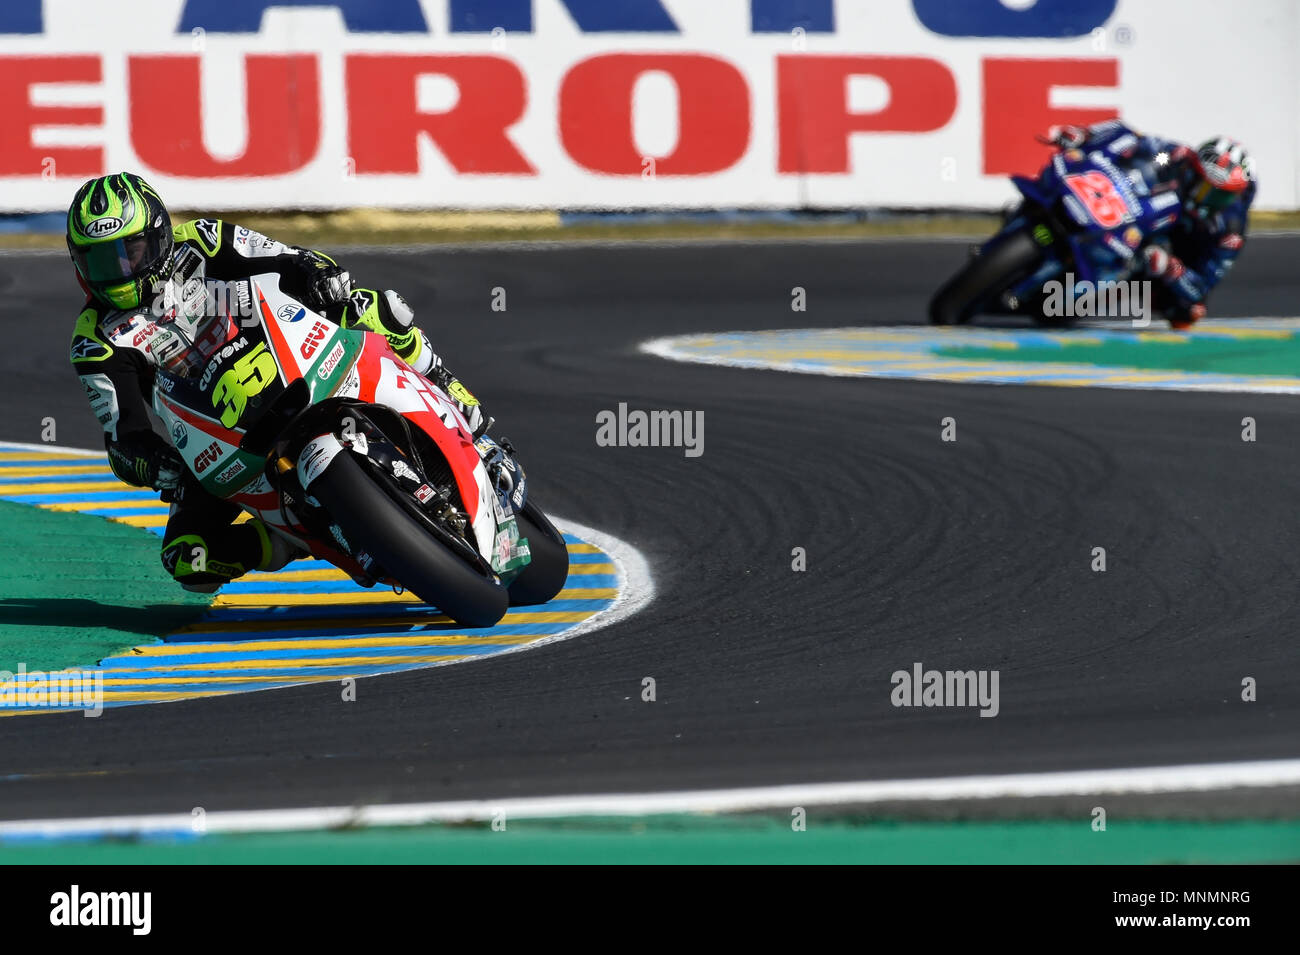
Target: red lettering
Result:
[[283, 110], [143, 335], [207, 457], [1017, 107], [18, 155], [317, 335], [813, 105], [713, 121], [385, 123]]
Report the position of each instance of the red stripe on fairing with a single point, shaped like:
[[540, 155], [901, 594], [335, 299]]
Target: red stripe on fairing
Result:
[[206, 425], [456, 445], [278, 341]]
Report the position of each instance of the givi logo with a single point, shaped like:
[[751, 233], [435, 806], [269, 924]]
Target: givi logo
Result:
[[313, 339], [208, 457]]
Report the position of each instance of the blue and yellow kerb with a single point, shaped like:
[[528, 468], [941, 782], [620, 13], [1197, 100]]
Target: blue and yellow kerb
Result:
[[306, 623], [1239, 355]]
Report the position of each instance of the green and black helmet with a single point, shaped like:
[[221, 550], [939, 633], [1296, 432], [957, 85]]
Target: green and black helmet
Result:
[[120, 237]]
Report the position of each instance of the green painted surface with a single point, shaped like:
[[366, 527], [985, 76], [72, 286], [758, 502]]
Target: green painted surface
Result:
[[709, 840], [1229, 356], [75, 588]]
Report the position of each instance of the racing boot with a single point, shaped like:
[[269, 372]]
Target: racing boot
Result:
[[464, 398], [205, 562]]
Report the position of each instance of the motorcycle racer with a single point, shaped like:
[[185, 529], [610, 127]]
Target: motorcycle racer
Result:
[[150, 286], [1216, 183]]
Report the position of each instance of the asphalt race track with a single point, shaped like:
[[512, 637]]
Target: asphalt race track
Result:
[[966, 555]]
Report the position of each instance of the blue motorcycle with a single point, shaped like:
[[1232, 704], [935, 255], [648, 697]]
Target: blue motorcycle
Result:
[[1081, 221]]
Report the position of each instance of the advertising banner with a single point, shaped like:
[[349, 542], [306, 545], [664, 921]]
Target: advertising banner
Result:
[[619, 104]]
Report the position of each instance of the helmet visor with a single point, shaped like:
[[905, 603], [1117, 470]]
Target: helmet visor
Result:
[[121, 260]]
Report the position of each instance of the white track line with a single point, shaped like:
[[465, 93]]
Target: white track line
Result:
[[636, 586], [1156, 779], [670, 348], [636, 589], [50, 449]]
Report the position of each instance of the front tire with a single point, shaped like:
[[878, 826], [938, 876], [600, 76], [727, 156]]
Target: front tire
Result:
[[372, 520], [548, 570], [962, 296]]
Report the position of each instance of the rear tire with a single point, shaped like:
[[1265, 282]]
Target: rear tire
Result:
[[548, 570], [373, 521], [961, 297]]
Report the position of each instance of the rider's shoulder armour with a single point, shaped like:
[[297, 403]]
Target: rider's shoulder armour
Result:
[[102, 332]]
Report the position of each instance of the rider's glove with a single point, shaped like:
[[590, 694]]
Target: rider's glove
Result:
[[165, 468], [1067, 137], [1159, 264], [326, 282], [158, 467]]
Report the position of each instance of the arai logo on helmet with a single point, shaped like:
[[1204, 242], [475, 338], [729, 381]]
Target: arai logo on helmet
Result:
[[291, 313], [103, 227]]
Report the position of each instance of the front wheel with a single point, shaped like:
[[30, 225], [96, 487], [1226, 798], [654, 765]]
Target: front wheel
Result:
[[984, 276], [548, 569], [373, 521]]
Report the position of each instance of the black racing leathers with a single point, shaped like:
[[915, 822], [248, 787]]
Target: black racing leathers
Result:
[[115, 353], [112, 349]]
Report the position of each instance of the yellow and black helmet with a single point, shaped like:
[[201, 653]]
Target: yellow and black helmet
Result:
[[120, 238]]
